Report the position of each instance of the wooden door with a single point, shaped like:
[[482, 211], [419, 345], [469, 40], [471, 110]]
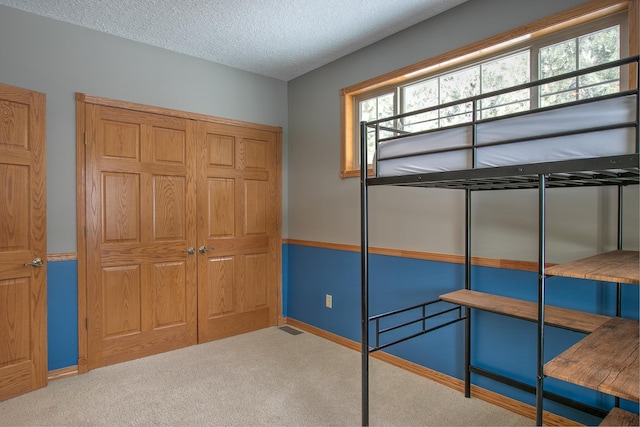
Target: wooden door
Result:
[[23, 288], [140, 218], [238, 232]]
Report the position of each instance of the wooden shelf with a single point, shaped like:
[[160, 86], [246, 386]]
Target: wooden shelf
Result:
[[615, 266], [620, 417], [606, 360], [555, 316]]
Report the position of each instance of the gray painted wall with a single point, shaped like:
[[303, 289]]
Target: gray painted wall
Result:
[[60, 59], [323, 207]]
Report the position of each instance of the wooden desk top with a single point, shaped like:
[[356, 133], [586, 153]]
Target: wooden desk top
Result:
[[619, 417], [556, 316], [615, 266], [606, 360]]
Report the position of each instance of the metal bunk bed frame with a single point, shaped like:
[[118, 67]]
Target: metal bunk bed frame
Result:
[[619, 170]]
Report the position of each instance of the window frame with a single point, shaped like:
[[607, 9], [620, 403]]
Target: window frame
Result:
[[595, 14]]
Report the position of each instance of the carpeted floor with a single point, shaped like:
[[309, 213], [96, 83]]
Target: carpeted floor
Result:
[[267, 377]]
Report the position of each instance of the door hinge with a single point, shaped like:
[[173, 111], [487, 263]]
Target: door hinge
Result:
[[86, 323], [85, 138]]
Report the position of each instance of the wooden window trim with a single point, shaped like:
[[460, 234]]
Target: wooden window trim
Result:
[[578, 15]]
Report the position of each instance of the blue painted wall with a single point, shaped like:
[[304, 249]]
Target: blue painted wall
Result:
[[499, 343], [285, 279], [62, 309]]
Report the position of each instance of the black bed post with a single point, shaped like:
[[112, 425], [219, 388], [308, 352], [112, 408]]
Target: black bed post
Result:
[[619, 247], [616, 402], [467, 256], [541, 297], [364, 265], [467, 285]]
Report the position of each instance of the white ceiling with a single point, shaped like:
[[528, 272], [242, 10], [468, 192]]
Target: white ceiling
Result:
[[277, 38]]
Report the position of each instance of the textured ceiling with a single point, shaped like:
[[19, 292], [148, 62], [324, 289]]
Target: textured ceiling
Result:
[[276, 38]]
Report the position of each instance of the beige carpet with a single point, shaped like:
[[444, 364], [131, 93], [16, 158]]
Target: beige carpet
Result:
[[268, 377]]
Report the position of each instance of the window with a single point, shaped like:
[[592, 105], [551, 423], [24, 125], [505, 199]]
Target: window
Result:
[[526, 57], [376, 108], [474, 80], [575, 54]]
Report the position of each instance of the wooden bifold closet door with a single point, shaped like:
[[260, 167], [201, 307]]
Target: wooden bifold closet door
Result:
[[238, 205], [141, 278], [182, 239]]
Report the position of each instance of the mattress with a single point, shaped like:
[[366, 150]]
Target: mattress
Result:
[[422, 153]]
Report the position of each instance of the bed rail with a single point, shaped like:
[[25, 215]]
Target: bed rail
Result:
[[414, 315]]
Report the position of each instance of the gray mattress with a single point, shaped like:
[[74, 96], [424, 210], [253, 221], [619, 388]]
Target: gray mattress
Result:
[[606, 112]]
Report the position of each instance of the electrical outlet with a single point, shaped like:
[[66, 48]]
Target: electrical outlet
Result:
[[328, 301]]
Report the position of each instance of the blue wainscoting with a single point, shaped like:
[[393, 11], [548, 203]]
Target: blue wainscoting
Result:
[[285, 279], [499, 343], [62, 309]]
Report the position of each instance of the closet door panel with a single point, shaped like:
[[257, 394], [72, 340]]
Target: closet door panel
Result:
[[169, 199], [120, 207], [237, 227], [221, 277], [140, 204], [121, 300], [169, 294], [221, 209]]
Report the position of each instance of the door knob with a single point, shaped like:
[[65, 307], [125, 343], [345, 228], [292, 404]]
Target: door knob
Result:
[[190, 250], [203, 249], [36, 262]]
